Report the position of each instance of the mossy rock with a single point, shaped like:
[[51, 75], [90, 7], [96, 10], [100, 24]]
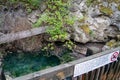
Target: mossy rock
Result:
[[106, 10], [116, 1], [81, 20], [110, 1], [92, 2], [89, 2], [85, 28], [119, 7], [118, 37], [1, 7], [111, 43]]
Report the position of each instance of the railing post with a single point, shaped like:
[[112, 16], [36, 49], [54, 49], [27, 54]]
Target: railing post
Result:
[[2, 76]]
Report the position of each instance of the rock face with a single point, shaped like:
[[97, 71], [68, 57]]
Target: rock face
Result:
[[95, 47], [96, 22], [81, 49], [14, 22], [32, 17], [111, 44], [30, 44], [11, 22]]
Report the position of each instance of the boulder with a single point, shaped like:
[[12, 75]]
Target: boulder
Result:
[[111, 44], [94, 25], [79, 35], [95, 47], [14, 22], [81, 49]]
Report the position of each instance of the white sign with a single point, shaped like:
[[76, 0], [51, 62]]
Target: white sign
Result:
[[95, 63]]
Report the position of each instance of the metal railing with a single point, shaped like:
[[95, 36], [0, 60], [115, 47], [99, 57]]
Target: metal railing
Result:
[[110, 71]]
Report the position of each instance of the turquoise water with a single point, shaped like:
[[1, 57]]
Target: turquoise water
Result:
[[18, 64], [22, 63]]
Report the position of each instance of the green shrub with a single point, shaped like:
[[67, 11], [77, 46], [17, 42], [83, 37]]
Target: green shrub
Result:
[[57, 18], [69, 44]]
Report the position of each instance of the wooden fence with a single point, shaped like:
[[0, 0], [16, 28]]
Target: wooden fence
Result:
[[109, 71]]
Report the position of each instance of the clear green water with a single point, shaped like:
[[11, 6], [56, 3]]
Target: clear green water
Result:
[[18, 64]]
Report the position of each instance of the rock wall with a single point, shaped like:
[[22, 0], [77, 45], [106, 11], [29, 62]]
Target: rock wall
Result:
[[96, 21]]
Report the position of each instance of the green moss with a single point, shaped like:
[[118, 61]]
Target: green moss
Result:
[[110, 1], [43, 18], [111, 43], [91, 33], [69, 44], [82, 19], [92, 2], [85, 28], [89, 2], [106, 10], [119, 7], [116, 1]]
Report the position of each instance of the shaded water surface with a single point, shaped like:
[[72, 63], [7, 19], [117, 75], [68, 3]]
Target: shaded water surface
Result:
[[18, 64]]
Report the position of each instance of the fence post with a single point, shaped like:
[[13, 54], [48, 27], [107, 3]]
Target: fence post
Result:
[[2, 76]]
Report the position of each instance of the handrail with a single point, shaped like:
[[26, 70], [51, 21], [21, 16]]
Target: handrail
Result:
[[22, 34], [63, 70]]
